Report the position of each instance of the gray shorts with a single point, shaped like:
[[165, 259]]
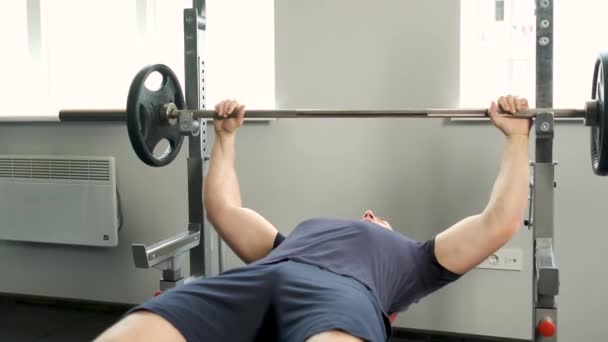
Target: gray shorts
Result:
[[286, 301]]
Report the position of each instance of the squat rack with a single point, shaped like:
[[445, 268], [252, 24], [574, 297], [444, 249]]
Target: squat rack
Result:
[[167, 254]]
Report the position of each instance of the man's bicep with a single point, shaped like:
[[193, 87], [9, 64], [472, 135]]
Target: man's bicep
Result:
[[248, 233], [470, 241]]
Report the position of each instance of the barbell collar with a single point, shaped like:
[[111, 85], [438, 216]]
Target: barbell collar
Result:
[[591, 113]]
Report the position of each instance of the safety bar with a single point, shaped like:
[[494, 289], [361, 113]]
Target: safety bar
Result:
[[150, 256]]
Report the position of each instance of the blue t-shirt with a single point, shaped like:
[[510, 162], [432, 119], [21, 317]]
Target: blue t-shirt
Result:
[[398, 271]]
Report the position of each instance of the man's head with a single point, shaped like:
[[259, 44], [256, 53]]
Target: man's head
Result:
[[369, 215]]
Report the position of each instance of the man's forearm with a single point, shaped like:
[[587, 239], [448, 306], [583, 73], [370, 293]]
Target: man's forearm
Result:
[[508, 201], [221, 184]]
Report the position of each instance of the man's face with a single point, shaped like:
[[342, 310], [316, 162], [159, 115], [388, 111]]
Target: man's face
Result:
[[368, 215]]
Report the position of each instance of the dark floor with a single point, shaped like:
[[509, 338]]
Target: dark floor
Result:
[[39, 320], [42, 322]]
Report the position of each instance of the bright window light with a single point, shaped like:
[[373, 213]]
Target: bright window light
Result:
[[497, 50], [498, 56], [87, 54]]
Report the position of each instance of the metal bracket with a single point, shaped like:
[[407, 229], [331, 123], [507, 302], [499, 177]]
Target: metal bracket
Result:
[[150, 256], [172, 272], [167, 256], [544, 124], [188, 125]]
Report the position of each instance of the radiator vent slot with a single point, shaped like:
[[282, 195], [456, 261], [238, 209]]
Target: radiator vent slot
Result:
[[45, 168]]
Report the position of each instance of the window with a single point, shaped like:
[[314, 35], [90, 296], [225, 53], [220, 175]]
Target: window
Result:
[[240, 52], [497, 51], [68, 54], [21, 72], [92, 52], [498, 56], [579, 38]]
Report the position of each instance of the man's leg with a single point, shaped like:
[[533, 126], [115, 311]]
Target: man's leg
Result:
[[228, 307], [142, 326]]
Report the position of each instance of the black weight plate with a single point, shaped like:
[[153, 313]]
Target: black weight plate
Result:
[[145, 125], [599, 132]]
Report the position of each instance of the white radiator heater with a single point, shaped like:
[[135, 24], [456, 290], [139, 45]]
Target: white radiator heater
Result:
[[59, 200]]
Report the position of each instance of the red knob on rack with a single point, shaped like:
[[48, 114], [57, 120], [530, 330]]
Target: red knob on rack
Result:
[[546, 328]]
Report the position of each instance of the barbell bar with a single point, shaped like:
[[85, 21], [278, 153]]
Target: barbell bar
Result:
[[172, 113], [155, 115], [400, 113]]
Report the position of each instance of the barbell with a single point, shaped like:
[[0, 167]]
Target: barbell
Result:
[[154, 115]]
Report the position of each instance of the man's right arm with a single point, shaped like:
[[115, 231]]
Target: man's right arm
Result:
[[247, 233]]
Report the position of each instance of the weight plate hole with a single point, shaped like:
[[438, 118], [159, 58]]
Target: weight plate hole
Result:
[[154, 81], [162, 148]]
